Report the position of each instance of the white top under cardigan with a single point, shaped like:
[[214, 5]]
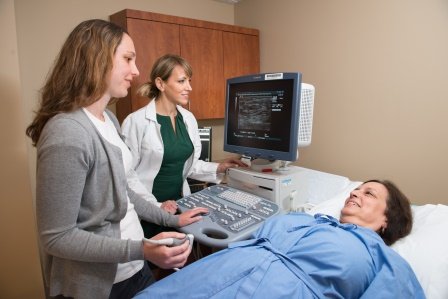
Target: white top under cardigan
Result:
[[130, 225]]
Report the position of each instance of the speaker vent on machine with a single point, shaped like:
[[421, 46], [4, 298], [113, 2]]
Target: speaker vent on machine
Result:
[[306, 114]]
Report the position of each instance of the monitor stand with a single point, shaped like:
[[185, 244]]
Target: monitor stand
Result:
[[263, 165]]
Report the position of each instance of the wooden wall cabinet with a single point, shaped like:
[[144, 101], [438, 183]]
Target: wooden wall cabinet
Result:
[[215, 51]]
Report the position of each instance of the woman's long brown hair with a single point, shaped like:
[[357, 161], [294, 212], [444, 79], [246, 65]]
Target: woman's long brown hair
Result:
[[80, 74]]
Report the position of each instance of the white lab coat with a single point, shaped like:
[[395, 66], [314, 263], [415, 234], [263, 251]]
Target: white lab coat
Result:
[[142, 134]]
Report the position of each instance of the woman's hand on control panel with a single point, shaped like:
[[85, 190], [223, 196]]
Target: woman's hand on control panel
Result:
[[191, 216]]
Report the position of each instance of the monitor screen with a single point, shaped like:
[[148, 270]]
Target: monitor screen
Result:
[[262, 116]]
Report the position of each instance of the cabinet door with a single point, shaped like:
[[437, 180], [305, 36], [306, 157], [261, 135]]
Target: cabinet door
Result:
[[202, 48], [151, 40], [215, 51], [241, 54]]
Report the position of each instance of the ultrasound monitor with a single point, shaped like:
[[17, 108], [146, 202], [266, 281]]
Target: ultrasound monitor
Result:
[[262, 116]]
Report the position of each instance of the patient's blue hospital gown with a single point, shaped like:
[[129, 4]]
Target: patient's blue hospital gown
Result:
[[296, 256]]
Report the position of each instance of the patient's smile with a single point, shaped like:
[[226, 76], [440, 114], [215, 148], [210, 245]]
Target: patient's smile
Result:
[[351, 202]]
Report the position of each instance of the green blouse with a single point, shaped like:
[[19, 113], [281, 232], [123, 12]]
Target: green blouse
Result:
[[177, 149], [168, 182]]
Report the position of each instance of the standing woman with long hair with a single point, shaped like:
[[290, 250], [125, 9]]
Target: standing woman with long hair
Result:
[[87, 216]]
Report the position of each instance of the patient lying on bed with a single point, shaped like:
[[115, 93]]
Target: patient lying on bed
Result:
[[301, 256]]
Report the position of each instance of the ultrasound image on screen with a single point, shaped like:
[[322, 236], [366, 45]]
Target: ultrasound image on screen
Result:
[[254, 113]]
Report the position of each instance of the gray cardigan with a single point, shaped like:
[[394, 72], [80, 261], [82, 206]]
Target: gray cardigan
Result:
[[80, 199]]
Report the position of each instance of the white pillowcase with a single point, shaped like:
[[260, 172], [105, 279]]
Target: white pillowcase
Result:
[[334, 205], [425, 248]]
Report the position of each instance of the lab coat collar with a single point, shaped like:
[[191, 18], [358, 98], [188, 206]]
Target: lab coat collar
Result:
[[150, 111], [151, 114]]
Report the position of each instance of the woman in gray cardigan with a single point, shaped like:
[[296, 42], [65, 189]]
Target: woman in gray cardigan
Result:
[[87, 216]]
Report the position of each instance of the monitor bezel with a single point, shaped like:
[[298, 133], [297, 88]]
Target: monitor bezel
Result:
[[268, 154]]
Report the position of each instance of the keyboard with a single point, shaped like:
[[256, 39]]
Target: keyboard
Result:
[[240, 198], [233, 214]]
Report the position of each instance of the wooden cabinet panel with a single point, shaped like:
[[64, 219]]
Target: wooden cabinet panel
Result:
[[215, 51], [202, 48], [152, 40], [241, 54]]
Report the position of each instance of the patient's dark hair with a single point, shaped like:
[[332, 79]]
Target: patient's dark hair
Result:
[[398, 213]]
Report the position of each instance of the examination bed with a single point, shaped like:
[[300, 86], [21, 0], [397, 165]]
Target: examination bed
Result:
[[425, 249]]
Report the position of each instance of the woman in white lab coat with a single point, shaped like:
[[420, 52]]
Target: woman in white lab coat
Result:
[[164, 139]]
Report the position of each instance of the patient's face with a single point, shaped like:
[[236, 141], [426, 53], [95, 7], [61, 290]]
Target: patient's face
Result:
[[366, 206]]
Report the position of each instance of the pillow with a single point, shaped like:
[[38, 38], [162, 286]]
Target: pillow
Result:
[[425, 248], [334, 205]]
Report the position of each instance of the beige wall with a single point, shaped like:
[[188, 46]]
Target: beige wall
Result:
[[377, 67], [20, 272], [380, 72]]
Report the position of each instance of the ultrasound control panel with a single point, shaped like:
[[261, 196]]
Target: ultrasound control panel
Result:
[[233, 214]]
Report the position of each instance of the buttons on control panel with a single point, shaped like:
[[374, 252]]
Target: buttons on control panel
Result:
[[232, 211]]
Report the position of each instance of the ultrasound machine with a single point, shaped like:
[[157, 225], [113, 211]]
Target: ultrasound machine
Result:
[[268, 117]]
